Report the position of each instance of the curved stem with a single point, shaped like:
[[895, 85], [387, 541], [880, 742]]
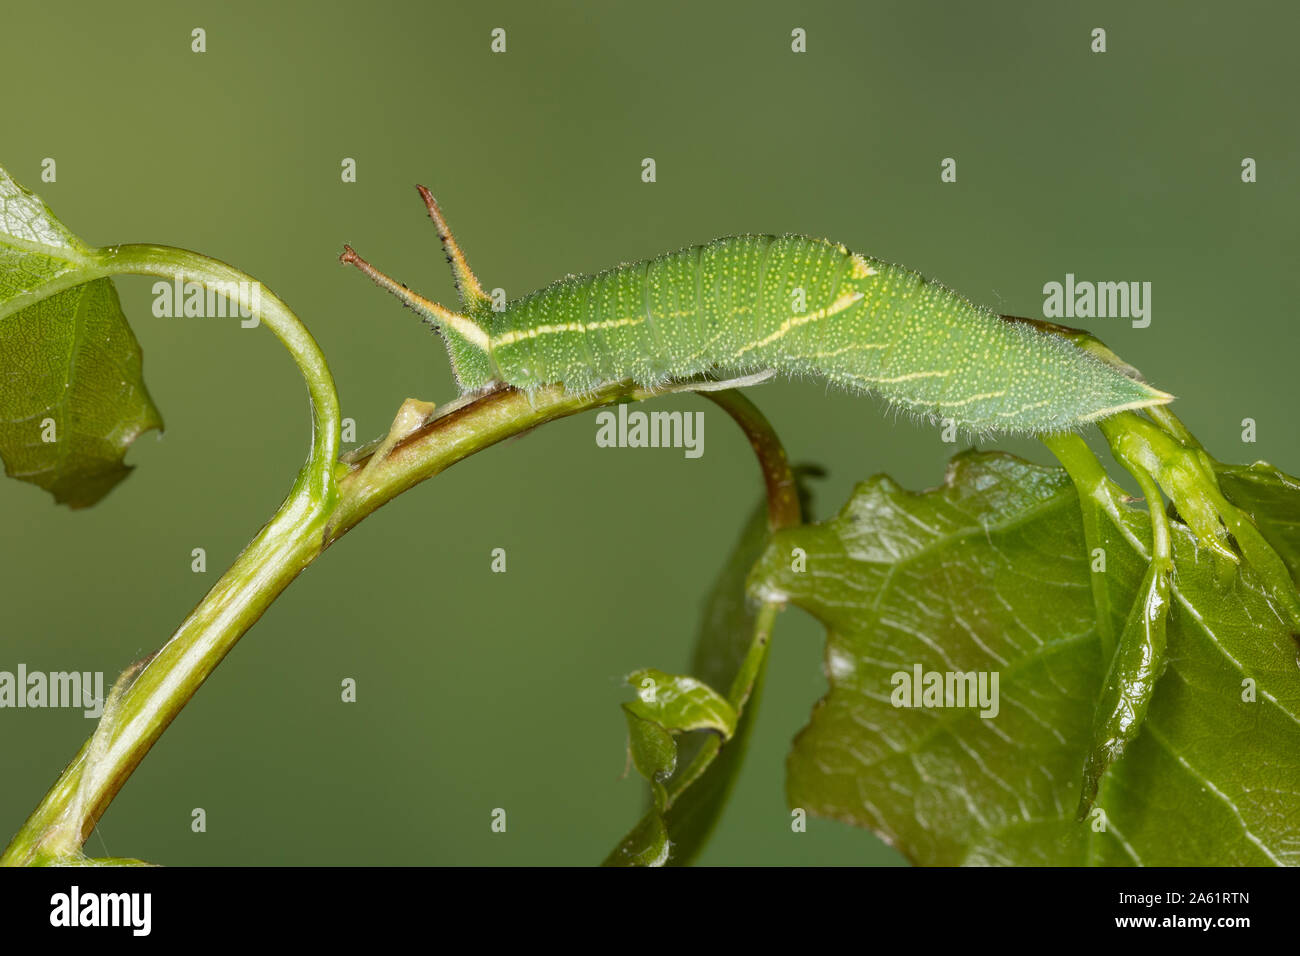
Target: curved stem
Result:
[[146, 705], [741, 689], [1098, 497], [1171, 423], [303, 528], [299, 532], [783, 509], [181, 265]]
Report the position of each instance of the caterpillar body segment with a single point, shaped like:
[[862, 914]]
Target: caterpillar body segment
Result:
[[745, 305], [804, 306]]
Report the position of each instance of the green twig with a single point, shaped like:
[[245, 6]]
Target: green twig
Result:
[[317, 478], [298, 534], [783, 511]]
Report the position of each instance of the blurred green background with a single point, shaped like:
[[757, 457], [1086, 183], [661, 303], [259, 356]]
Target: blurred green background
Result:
[[480, 690]]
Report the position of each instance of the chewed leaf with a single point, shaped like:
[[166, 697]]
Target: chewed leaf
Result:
[[989, 577], [72, 397]]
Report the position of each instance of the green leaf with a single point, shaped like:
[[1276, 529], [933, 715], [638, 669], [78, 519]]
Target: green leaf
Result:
[[72, 398], [646, 845], [1126, 693], [653, 752], [990, 574], [695, 813], [666, 705], [729, 626], [679, 703], [1272, 498], [727, 629]]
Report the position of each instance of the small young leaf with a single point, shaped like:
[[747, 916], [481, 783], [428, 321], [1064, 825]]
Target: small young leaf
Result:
[[72, 398], [728, 628], [679, 703], [646, 845], [653, 752], [666, 705]]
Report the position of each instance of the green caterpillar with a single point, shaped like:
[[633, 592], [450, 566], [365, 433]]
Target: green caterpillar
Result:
[[752, 306]]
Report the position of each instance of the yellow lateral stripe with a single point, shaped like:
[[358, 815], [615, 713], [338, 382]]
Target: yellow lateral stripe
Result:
[[905, 378], [836, 307], [909, 377], [860, 268], [975, 398], [850, 348], [515, 335]]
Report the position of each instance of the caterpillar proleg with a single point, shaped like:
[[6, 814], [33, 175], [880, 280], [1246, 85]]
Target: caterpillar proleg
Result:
[[746, 307]]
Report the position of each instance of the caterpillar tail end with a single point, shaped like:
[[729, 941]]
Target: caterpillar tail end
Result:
[[1153, 397], [1158, 397], [1139, 396]]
